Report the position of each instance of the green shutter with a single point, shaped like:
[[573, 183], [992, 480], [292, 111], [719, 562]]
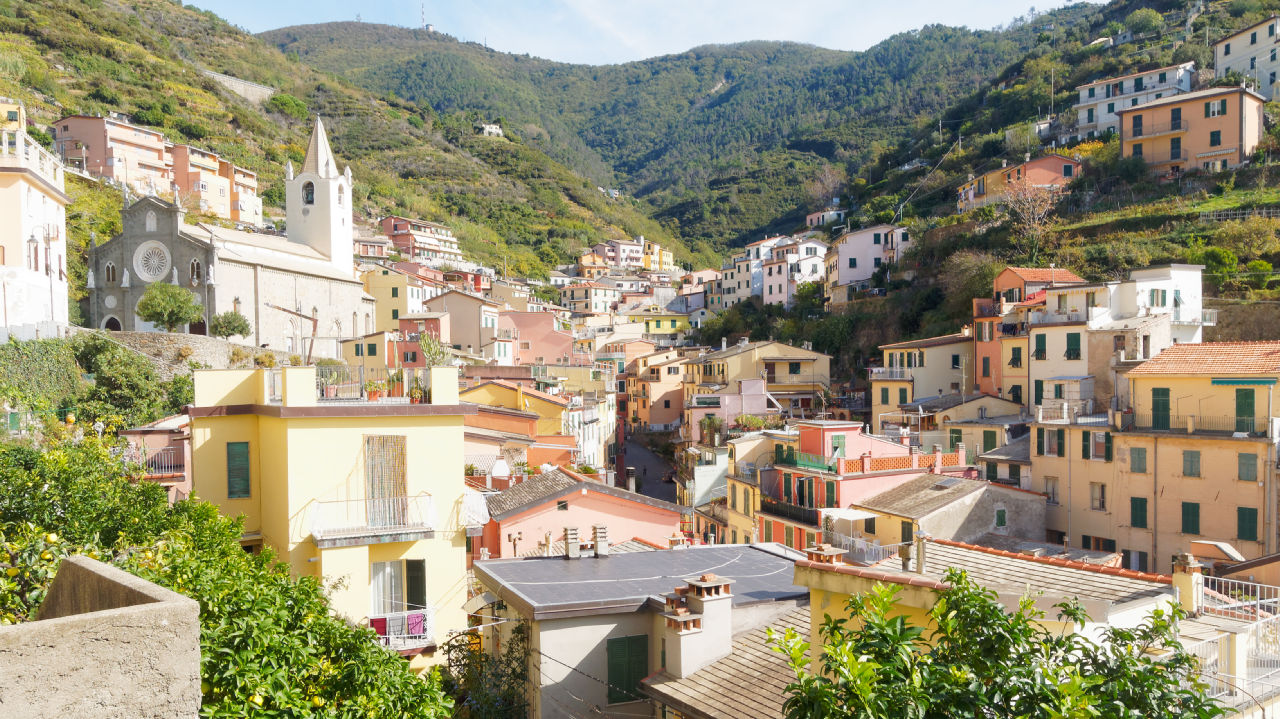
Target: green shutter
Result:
[[1039, 391], [1190, 517], [1073, 345], [1208, 112], [1015, 472], [768, 531], [1001, 518], [884, 395], [1138, 459], [1040, 346], [617, 651], [1108, 452], [992, 474], [1222, 107], [1247, 465], [1190, 463], [1247, 524], [988, 440], [830, 491], [1108, 545], [1062, 443], [373, 350], [237, 470], [1039, 440], [1084, 444], [1244, 409], [789, 533], [1138, 512], [786, 487], [902, 395]]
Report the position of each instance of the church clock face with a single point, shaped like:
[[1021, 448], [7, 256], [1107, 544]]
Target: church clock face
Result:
[[151, 261]]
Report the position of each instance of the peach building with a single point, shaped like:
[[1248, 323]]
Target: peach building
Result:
[[115, 150], [1211, 130], [1050, 171], [523, 517], [196, 179]]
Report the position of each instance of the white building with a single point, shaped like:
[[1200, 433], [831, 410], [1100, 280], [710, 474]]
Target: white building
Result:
[[33, 244], [1252, 53], [1100, 100], [790, 265], [621, 253], [855, 256]]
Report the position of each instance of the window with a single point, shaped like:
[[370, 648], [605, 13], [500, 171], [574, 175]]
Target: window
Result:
[[1138, 84], [1098, 496], [869, 527], [1058, 391], [1253, 38], [1015, 357], [1137, 127], [1247, 467], [410, 357], [1190, 517], [1247, 524], [1191, 463], [955, 437], [1091, 94], [1215, 138], [109, 272], [1001, 518], [788, 534], [1089, 112], [1040, 352], [1175, 148], [793, 368], [340, 193], [1226, 49], [309, 194], [1073, 346], [875, 261], [1111, 108], [988, 440], [359, 350], [395, 314], [1138, 459], [237, 470], [853, 262], [902, 395], [628, 663], [1051, 490], [562, 506], [1214, 109], [1137, 149], [371, 350], [1067, 170], [1015, 473], [955, 361], [395, 291], [1162, 78], [876, 239], [1253, 63], [986, 366], [829, 492], [992, 473], [1101, 445], [1138, 512], [884, 395]]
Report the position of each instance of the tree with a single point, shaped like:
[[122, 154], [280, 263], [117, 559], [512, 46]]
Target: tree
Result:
[[1260, 273], [229, 323], [1200, 54], [980, 660], [434, 352], [824, 186], [965, 275], [169, 306], [269, 644], [1144, 20], [1029, 207]]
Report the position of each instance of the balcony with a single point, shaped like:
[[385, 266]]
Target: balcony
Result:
[[352, 522], [18, 150], [1251, 427], [410, 385], [164, 462], [1207, 318], [777, 508], [890, 373], [410, 630], [805, 460], [1166, 128]]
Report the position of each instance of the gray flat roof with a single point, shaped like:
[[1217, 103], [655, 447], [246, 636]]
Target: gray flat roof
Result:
[[554, 586]]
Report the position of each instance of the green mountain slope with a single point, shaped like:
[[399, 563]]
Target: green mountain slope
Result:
[[506, 199], [723, 141]]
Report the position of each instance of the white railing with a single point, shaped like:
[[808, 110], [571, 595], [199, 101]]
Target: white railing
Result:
[[17, 149], [884, 373], [166, 460], [357, 516], [1212, 654], [861, 550], [405, 630], [1239, 600], [1264, 650]]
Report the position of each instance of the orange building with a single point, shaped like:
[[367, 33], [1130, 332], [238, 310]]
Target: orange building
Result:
[[1000, 327], [1211, 130], [1050, 171]]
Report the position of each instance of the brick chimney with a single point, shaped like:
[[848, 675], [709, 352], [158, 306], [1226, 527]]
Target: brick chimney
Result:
[[824, 554], [699, 624]]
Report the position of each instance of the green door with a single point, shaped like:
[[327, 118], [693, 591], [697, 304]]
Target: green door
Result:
[[837, 445], [988, 440], [1244, 409], [1160, 408]]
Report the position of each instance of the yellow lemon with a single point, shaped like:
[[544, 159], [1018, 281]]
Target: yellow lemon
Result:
[[256, 699], [12, 571], [51, 538]]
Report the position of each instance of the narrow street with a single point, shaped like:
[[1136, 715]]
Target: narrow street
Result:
[[650, 469]]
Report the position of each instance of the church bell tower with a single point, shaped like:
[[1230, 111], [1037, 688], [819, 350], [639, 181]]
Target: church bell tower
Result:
[[318, 203]]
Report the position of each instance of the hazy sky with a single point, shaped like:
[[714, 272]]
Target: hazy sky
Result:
[[611, 31]]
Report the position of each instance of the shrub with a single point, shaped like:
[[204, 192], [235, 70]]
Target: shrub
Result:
[[228, 324], [265, 359], [1144, 20], [286, 104], [239, 356], [183, 353]]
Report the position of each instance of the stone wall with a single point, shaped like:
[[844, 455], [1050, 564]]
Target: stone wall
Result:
[[106, 644], [171, 353], [251, 91]]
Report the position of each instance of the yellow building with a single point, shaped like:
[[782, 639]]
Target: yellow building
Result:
[[1190, 461], [656, 259], [13, 115], [661, 325], [918, 369], [746, 455], [797, 378], [366, 496], [1212, 130], [395, 295], [501, 393]]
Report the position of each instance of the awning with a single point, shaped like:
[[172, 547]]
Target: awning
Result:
[[1071, 378], [478, 602], [1265, 381], [849, 514]]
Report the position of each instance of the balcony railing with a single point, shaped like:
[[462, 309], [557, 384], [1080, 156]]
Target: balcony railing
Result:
[[888, 373], [1194, 423], [165, 461], [863, 550], [368, 517], [1157, 129], [410, 629], [341, 383], [806, 460], [1207, 318], [805, 515]]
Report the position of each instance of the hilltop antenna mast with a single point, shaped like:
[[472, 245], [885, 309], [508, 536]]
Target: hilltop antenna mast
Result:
[[424, 16]]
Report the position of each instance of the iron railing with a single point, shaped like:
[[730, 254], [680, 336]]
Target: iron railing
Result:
[[166, 460], [342, 383], [862, 550], [1195, 423], [409, 629], [1238, 599], [777, 508], [386, 514], [1212, 655], [807, 460]]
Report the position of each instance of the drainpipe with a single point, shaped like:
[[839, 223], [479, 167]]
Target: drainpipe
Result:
[[1155, 499]]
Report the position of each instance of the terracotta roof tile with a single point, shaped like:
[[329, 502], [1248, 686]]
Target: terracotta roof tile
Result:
[[1045, 274], [1214, 358]]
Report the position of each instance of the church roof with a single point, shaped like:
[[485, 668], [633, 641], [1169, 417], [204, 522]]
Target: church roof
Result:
[[274, 251], [320, 160]]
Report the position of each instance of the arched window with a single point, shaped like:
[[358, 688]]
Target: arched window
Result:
[[309, 194], [151, 221], [368, 324], [197, 272], [340, 193], [109, 273]]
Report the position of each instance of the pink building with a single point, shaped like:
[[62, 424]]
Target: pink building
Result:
[[163, 448], [749, 398], [114, 149], [539, 509], [538, 339], [422, 241]]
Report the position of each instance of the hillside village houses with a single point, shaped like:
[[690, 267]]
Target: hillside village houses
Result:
[[854, 257], [1213, 129], [1050, 172], [33, 241], [1251, 53], [1101, 100]]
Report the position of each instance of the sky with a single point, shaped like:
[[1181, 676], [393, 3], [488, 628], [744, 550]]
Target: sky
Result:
[[611, 31]]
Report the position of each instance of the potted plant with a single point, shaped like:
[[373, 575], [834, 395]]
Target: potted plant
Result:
[[417, 395], [373, 390], [395, 384]]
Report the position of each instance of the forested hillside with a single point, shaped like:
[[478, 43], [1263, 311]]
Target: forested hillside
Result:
[[725, 142], [506, 199]]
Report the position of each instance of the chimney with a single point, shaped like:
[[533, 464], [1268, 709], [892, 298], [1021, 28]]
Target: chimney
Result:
[[675, 541], [699, 624], [724, 343], [600, 536], [824, 554], [919, 553], [1189, 582], [546, 544], [572, 548]]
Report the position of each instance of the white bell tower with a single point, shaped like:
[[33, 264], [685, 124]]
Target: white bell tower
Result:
[[318, 203]]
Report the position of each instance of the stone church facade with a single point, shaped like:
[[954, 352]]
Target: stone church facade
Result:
[[280, 284]]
